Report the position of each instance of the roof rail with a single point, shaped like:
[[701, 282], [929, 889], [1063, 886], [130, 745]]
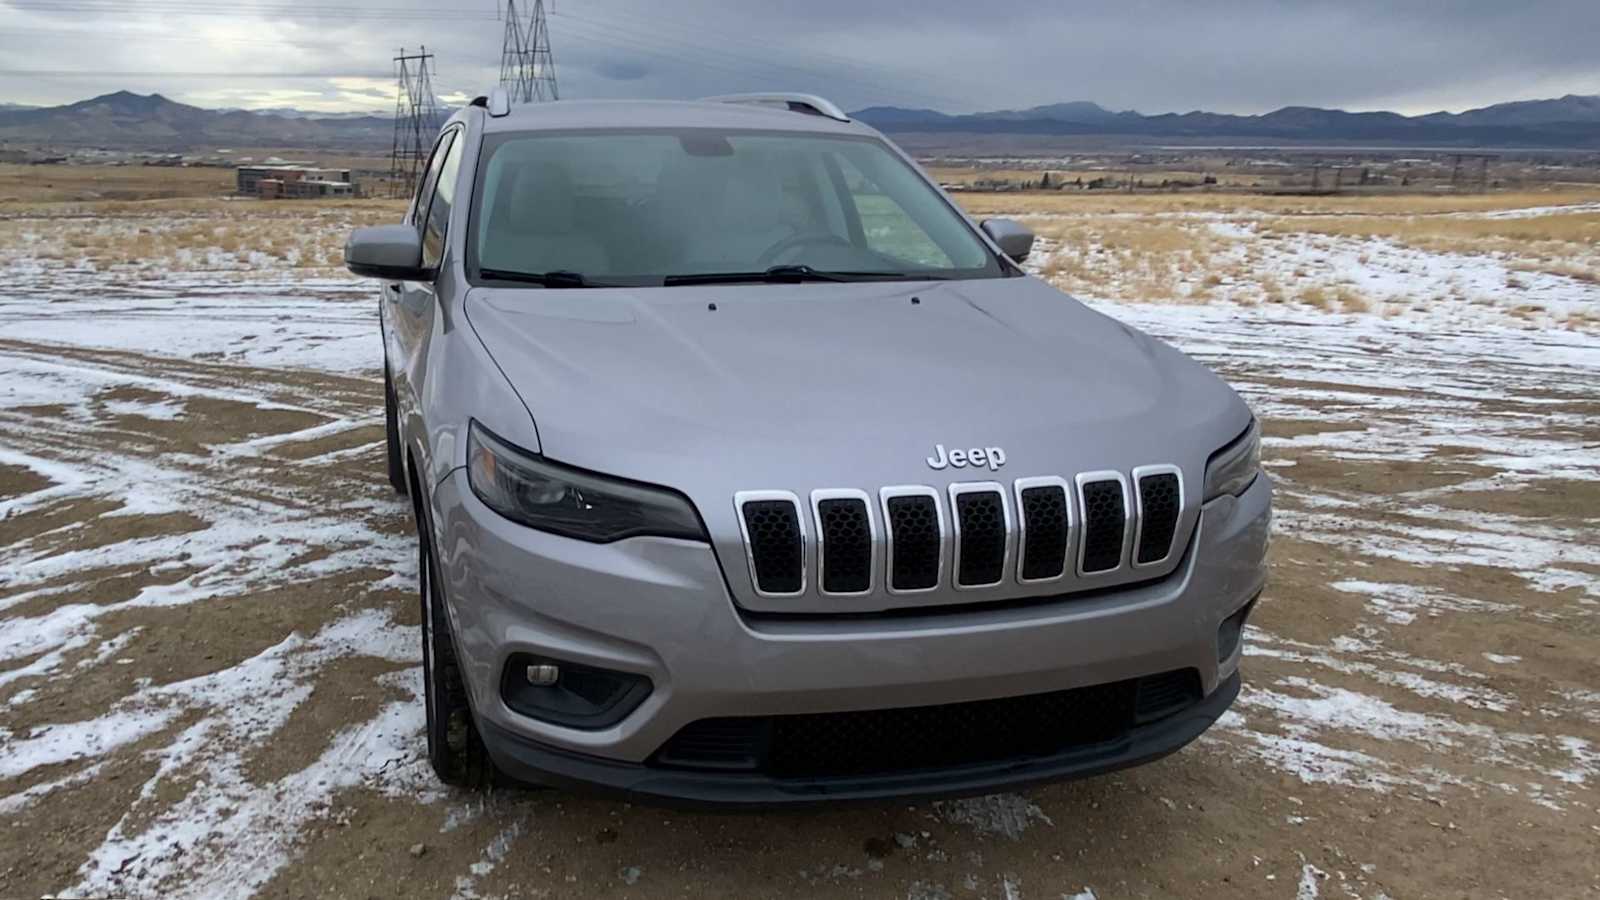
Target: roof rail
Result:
[[810, 104], [499, 102]]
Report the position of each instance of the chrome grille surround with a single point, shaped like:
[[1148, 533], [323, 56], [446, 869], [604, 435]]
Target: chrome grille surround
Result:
[[1138, 534], [817, 498], [934, 561]]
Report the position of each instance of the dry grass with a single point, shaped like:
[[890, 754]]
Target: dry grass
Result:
[[966, 175], [1187, 248], [1564, 244], [24, 187], [1081, 203], [190, 234], [1135, 259]]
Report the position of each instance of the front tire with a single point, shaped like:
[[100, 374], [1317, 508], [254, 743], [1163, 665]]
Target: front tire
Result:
[[391, 436], [455, 750]]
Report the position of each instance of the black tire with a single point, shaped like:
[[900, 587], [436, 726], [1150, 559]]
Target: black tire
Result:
[[391, 436], [455, 750]]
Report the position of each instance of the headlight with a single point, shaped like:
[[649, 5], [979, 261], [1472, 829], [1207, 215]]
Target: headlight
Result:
[[1234, 467], [577, 504]]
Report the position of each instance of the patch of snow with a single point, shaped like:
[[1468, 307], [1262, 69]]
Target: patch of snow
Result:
[[1003, 814], [493, 854]]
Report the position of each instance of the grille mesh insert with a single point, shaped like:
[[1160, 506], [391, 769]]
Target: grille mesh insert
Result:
[[1162, 695], [907, 739], [1104, 520], [983, 537], [914, 525], [846, 545], [775, 545], [1158, 501], [1044, 520]]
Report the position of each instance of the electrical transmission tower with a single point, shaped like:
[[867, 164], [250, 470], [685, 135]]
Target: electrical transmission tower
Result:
[[527, 67], [416, 120]]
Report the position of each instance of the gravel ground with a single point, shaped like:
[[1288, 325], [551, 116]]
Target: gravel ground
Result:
[[209, 660]]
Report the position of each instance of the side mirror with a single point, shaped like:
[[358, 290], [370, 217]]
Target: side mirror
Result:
[[390, 252], [1013, 239]]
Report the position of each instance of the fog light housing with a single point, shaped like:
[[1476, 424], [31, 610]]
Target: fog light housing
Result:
[[1231, 628], [569, 694]]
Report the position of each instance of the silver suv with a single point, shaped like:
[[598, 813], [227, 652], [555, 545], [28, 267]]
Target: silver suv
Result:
[[748, 470]]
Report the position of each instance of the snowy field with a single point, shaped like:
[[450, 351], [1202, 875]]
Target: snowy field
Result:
[[209, 662]]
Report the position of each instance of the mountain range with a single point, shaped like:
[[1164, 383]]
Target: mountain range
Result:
[[126, 120], [1572, 121]]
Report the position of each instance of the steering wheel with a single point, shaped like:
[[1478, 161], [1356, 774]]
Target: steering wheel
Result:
[[816, 238]]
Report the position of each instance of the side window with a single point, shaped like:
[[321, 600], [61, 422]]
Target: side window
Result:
[[419, 203], [444, 195], [889, 229]]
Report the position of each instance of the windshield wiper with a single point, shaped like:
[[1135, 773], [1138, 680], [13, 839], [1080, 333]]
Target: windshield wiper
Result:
[[776, 274], [555, 278]]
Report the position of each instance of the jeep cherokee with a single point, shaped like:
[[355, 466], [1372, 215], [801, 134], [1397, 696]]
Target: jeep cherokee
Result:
[[748, 471]]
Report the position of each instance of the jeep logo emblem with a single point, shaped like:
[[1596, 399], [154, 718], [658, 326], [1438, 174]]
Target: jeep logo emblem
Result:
[[993, 457]]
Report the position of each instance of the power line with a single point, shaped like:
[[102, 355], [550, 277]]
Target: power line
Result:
[[825, 64], [760, 72], [646, 38], [152, 73], [265, 10], [389, 13], [78, 34]]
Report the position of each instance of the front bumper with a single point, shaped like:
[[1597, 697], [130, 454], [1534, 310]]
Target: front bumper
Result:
[[528, 760], [660, 608]]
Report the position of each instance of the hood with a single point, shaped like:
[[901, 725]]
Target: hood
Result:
[[796, 388], [801, 386]]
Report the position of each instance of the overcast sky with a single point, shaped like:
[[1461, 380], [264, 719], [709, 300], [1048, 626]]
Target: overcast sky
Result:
[[1243, 56]]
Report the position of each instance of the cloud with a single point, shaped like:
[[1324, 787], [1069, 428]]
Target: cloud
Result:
[[1150, 55], [621, 70]]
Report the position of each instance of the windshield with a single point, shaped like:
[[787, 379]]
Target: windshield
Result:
[[664, 207]]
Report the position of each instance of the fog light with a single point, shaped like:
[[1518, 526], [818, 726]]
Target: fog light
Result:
[[544, 674], [569, 694]]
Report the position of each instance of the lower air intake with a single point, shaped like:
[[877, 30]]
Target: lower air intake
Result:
[[1162, 695], [909, 739]]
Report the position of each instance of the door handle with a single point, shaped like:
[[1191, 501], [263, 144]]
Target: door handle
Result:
[[391, 290]]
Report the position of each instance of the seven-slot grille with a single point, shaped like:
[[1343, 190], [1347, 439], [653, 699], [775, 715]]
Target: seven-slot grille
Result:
[[1035, 530]]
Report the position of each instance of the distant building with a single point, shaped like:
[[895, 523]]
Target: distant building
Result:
[[294, 182]]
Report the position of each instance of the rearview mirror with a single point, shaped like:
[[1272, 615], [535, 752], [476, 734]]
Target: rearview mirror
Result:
[[390, 252], [1012, 238]]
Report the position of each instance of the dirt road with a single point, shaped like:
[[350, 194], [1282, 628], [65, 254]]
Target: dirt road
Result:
[[209, 660]]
